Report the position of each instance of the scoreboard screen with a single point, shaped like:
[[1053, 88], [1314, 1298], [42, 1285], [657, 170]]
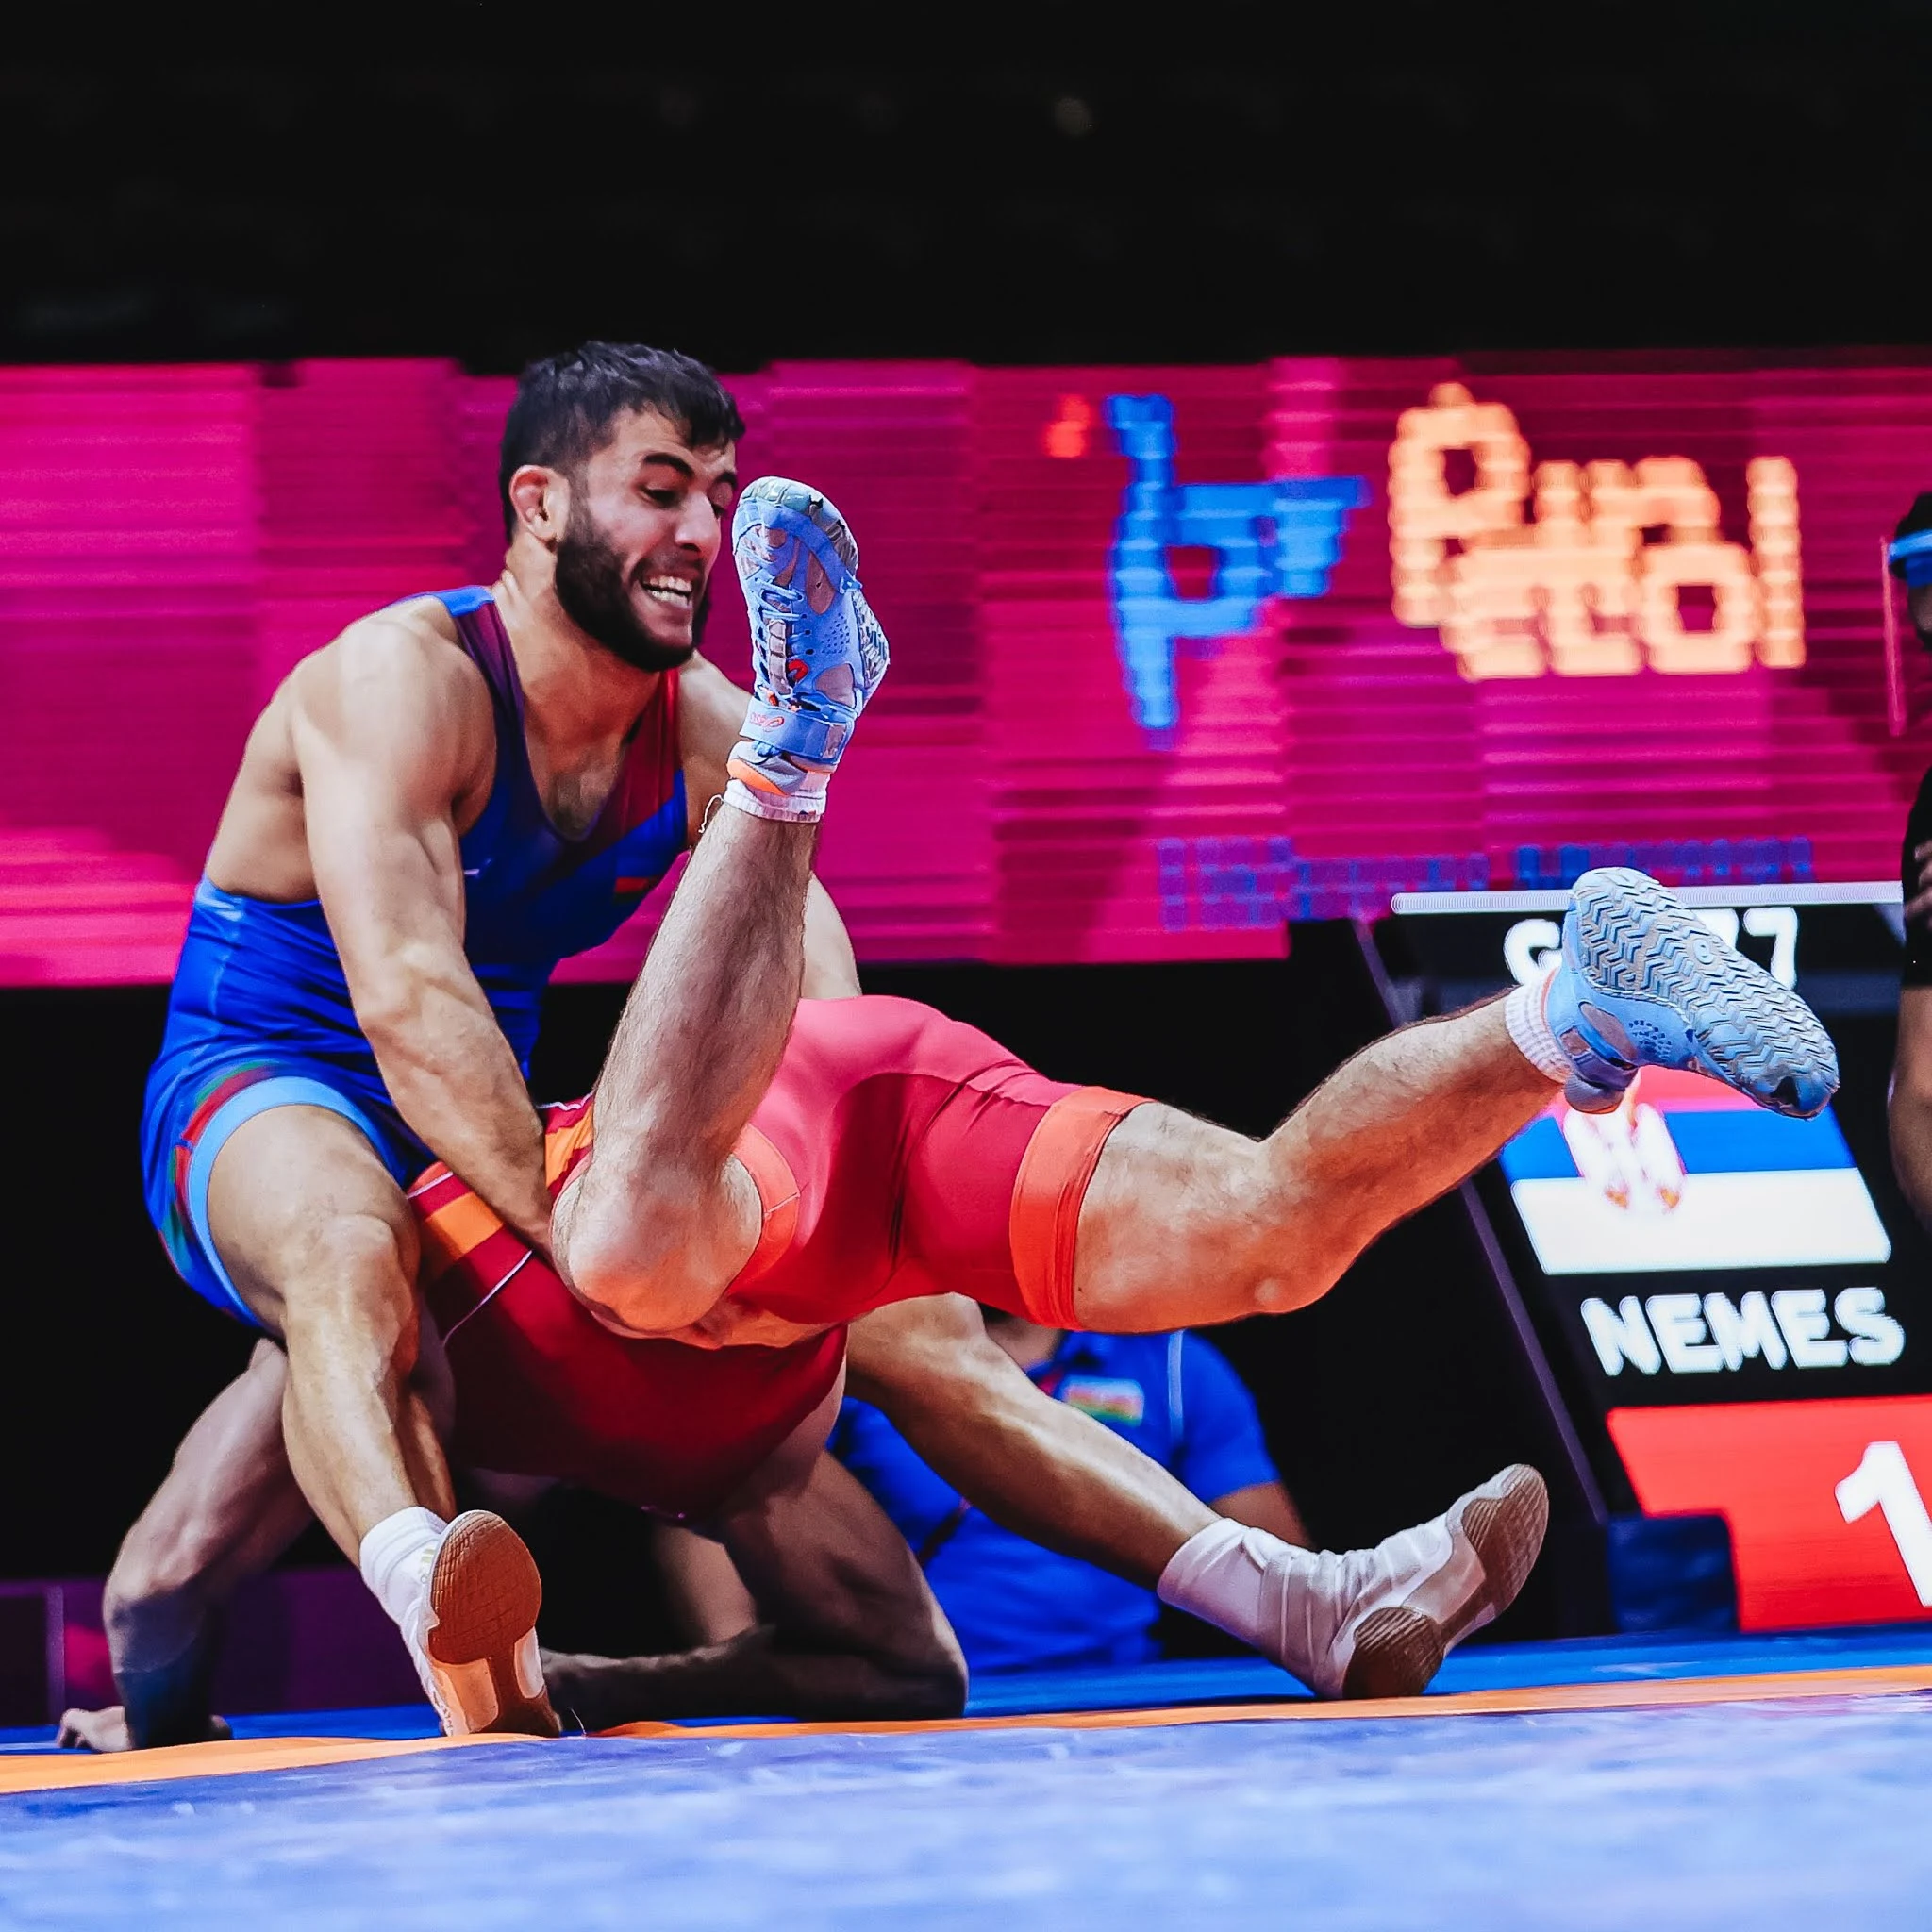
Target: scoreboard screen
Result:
[[1198, 651], [1736, 1306]]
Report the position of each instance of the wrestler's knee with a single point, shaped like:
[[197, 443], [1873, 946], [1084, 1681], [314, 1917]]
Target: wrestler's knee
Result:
[[621, 1245], [1290, 1242], [917, 1668], [355, 1278], [929, 1687]]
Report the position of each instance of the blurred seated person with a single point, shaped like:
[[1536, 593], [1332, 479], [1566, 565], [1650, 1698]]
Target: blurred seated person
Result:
[[1013, 1605], [1910, 561]]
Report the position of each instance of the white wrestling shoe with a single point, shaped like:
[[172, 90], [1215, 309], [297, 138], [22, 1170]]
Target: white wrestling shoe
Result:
[[474, 1633], [1378, 1623]]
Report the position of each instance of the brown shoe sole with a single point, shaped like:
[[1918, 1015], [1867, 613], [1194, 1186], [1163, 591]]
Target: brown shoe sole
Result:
[[1398, 1651], [485, 1594]]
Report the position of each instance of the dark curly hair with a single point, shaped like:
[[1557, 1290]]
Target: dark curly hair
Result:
[[566, 404]]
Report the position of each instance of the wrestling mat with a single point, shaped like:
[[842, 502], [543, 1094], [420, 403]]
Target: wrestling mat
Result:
[[1759, 1782]]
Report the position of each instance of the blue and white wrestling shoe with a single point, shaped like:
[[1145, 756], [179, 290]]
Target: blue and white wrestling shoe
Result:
[[818, 652], [1645, 983]]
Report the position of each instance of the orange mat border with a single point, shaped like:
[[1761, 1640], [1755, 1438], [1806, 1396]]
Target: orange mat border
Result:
[[67, 1770], [45, 1772], [1877, 1680]]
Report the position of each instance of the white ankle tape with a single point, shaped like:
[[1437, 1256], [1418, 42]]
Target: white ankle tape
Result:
[[397, 1557], [1216, 1575], [1526, 1013], [795, 808]]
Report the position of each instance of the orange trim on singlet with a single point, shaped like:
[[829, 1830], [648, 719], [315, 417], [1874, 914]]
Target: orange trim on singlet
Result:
[[778, 1189], [561, 1145], [457, 1229], [1044, 1226]]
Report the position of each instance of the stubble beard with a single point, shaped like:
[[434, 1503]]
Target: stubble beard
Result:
[[595, 594]]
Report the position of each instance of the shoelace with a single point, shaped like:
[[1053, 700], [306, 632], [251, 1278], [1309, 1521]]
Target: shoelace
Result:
[[780, 616]]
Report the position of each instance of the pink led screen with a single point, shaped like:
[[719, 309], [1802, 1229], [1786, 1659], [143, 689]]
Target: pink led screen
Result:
[[1177, 654]]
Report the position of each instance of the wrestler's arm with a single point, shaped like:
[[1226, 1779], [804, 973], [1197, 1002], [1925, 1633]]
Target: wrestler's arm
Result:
[[1034, 1465], [390, 725], [1039, 1467], [846, 1625], [711, 711]]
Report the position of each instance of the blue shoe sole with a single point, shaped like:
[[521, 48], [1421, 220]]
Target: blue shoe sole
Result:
[[1690, 1001], [828, 532]]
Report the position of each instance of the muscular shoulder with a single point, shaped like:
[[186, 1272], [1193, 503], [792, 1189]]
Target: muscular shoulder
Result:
[[408, 653], [397, 684]]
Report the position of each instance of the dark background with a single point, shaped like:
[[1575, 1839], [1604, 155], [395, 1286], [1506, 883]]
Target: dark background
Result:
[[1060, 183], [1052, 183]]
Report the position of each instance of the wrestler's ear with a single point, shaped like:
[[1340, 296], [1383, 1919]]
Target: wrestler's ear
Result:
[[539, 500]]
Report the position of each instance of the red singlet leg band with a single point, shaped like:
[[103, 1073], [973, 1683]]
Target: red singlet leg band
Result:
[[1045, 1224]]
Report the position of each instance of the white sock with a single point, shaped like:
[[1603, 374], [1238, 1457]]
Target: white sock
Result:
[[1526, 1012], [1299, 1607], [397, 1556], [1216, 1575], [802, 807]]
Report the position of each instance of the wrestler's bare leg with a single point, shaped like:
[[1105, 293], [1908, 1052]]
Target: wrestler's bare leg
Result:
[[230, 1505], [661, 1217], [322, 1246], [222, 1514], [1186, 1223], [846, 1625], [1035, 1465]]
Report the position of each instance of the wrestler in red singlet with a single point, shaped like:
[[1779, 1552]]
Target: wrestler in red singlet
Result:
[[897, 1152]]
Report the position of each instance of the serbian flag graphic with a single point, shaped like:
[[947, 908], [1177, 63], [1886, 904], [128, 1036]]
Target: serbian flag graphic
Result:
[[1687, 1174]]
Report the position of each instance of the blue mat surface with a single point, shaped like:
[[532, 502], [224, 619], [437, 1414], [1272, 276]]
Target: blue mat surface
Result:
[[1802, 1815], [1240, 1680], [1484, 1667]]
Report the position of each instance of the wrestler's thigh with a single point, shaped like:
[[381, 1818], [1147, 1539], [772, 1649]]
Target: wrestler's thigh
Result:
[[825, 1564], [306, 1217], [1172, 1224]]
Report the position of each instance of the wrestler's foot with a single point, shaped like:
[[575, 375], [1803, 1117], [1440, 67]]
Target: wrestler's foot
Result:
[[1378, 1623], [1645, 983], [818, 652], [477, 1640]]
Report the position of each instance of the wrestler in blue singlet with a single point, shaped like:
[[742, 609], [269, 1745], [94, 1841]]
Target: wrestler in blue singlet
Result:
[[260, 1015]]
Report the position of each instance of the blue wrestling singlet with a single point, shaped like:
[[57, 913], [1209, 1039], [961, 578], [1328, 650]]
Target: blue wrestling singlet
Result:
[[260, 1015]]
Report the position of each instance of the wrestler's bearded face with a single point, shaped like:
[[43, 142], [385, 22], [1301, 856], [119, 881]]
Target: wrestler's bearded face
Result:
[[613, 602]]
